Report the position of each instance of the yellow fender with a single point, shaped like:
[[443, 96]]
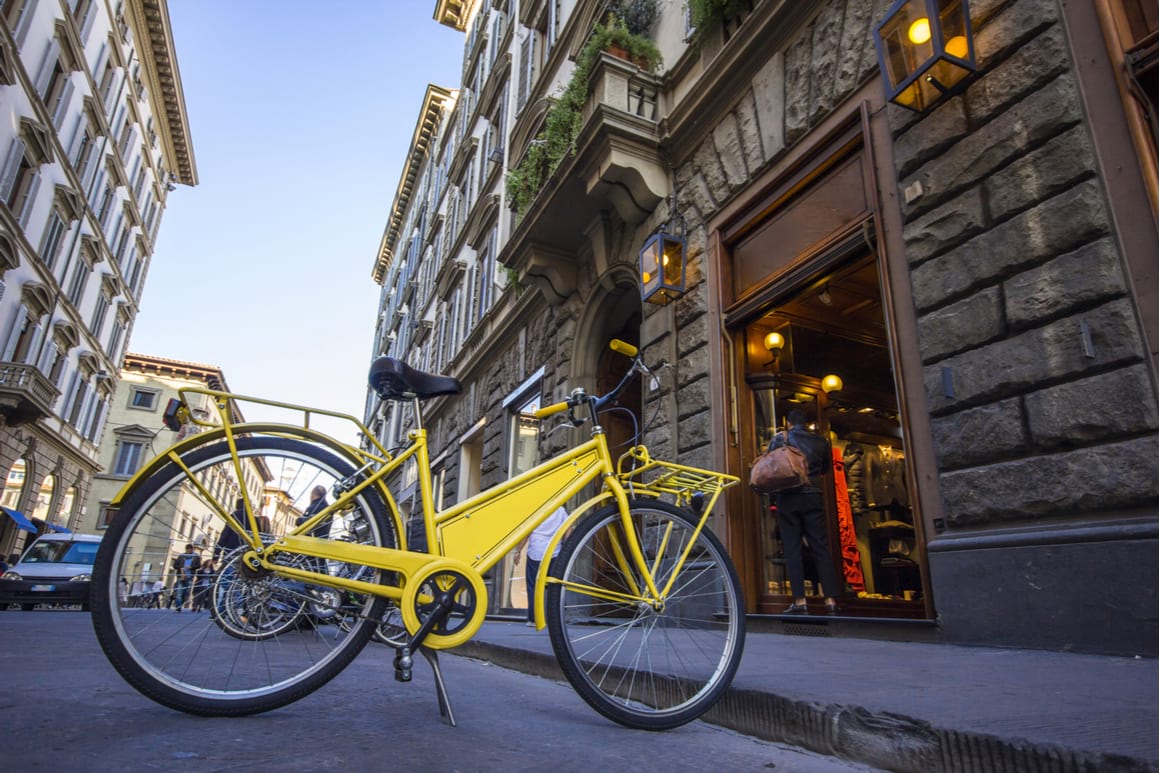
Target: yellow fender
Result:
[[542, 575]]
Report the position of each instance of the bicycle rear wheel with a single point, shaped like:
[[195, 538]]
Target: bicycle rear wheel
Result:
[[645, 666], [265, 640]]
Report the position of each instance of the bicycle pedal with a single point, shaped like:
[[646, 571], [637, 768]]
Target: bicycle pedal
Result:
[[403, 665]]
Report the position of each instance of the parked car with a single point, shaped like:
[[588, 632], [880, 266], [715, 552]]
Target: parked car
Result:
[[56, 569]]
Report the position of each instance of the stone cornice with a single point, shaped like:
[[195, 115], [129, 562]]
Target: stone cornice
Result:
[[435, 101], [160, 366], [452, 13], [153, 38]]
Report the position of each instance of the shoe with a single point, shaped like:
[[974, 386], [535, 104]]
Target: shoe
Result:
[[177, 610], [795, 609], [530, 624]]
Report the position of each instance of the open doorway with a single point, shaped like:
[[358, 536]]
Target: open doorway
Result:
[[821, 346]]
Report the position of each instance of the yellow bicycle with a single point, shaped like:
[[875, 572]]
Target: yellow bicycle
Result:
[[642, 602]]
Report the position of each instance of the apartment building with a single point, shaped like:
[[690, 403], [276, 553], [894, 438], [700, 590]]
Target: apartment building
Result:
[[958, 291], [134, 434], [93, 139]]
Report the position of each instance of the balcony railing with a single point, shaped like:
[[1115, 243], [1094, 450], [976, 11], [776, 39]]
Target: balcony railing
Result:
[[26, 394]]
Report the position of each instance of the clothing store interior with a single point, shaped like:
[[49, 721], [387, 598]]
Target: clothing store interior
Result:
[[824, 348]]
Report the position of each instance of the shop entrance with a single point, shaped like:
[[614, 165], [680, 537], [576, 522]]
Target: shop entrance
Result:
[[821, 346]]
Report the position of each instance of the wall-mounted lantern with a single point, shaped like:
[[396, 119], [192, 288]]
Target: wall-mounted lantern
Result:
[[662, 268], [925, 50]]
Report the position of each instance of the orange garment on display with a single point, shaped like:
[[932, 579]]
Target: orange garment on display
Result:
[[851, 559]]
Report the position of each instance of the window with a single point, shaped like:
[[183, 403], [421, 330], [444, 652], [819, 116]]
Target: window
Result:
[[81, 270], [98, 320], [84, 153], [107, 515], [95, 419], [105, 206], [53, 239], [114, 347], [18, 181], [145, 399], [486, 274], [108, 79], [26, 338], [523, 439], [79, 400], [128, 457]]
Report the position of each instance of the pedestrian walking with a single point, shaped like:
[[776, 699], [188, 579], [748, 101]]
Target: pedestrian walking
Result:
[[185, 566]]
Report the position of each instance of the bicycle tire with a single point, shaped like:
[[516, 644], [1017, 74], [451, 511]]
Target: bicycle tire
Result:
[[644, 667], [187, 661]]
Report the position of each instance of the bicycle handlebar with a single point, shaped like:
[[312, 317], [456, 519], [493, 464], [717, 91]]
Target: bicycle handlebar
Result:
[[550, 410], [580, 397]]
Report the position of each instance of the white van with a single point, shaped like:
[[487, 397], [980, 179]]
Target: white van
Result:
[[56, 569]]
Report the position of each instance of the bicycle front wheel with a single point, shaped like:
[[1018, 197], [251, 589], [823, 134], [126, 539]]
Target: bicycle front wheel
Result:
[[257, 640], [645, 665]]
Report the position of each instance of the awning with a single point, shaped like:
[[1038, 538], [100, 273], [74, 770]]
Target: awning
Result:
[[61, 529], [21, 521]]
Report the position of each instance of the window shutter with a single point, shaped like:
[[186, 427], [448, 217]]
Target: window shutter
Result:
[[34, 343], [14, 333], [87, 22], [62, 105], [44, 78], [525, 69], [46, 358], [98, 424], [20, 30], [11, 167], [23, 207], [68, 395]]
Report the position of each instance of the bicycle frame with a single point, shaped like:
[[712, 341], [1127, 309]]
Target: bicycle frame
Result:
[[471, 536]]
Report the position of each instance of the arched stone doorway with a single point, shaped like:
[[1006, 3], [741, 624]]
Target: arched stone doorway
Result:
[[611, 314]]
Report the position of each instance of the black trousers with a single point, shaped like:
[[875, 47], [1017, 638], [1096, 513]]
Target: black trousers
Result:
[[802, 513]]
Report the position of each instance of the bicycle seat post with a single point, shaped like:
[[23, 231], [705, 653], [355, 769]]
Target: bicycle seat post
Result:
[[416, 407]]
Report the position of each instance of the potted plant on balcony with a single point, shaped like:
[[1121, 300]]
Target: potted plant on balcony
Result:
[[562, 122], [615, 37]]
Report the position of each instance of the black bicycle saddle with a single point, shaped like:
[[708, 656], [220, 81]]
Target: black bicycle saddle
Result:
[[394, 379]]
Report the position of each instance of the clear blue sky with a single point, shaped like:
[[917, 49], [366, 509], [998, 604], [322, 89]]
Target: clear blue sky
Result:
[[301, 115]]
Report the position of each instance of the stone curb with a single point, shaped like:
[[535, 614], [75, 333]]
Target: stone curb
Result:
[[888, 741]]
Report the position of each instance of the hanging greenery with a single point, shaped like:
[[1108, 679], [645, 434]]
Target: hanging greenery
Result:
[[707, 14], [562, 123]]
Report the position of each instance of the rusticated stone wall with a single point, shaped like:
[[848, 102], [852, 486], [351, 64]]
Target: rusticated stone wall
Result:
[[1035, 366]]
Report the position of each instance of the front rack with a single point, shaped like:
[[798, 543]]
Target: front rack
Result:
[[653, 477]]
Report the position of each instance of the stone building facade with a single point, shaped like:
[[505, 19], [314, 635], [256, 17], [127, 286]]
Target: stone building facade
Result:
[[94, 138], [980, 277]]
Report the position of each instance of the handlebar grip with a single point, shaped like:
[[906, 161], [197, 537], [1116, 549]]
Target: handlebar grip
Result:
[[550, 410], [621, 347]]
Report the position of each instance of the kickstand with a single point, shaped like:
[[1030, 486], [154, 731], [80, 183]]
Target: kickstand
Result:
[[440, 688]]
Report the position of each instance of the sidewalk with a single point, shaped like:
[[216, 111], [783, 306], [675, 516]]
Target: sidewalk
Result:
[[916, 706]]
